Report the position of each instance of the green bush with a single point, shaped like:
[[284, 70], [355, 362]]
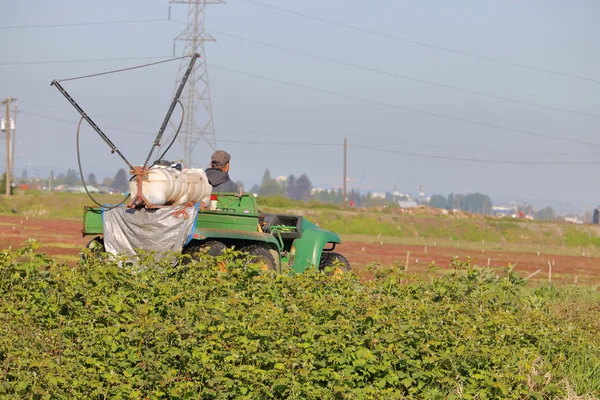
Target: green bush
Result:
[[575, 238], [217, 329]]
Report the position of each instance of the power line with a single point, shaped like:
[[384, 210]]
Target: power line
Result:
[[316, 133], [122, 69], [422, 44], [479, 160], [92, 60], [75, 123], [319, 144], [358, 66], [137, 121], [135, 21], [408, 109], [258, 143], [431, 146], [405, 77]]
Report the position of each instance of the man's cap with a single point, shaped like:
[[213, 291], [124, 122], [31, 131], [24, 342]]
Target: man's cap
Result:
[[220, 158]]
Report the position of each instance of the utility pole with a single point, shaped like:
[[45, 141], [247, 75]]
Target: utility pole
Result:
[[14, 136], [345, 171], [7, 124], [198, 124]]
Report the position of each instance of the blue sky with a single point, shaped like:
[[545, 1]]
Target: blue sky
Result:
[[552, 35]]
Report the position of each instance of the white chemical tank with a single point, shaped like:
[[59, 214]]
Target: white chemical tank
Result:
[[169, 186], [199, 189]]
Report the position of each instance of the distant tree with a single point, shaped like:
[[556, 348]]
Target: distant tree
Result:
[[546, 214], [438, 201], [72, 177], [59, 179], [339, 196], [120, 183], [24, 175], [91, 180], [269, 186], [266, 176], [355, 197], [290, 186], [302, 188], [454, 201], [107, 182], [254, 189], [478, 203], [3, 184], [472, 202]]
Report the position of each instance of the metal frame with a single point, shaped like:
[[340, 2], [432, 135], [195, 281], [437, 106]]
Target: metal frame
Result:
[[140, 171]]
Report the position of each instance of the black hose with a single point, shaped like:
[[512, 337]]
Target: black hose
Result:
[[176, 133], [83, 179]]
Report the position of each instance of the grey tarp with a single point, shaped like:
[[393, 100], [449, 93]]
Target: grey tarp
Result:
[[160, 230]]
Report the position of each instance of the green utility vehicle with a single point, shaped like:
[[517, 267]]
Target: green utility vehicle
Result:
[[278, 242]]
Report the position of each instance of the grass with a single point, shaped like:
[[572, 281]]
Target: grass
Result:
[[505, 247], [59, 245], [383, 224], [52, 205], [477, 230]]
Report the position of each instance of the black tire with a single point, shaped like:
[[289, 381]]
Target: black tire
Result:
[[95, 246], [260, 255], [335, 261], [213, 248]]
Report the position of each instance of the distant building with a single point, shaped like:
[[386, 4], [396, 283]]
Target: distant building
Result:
[[402, 196], [503, 211], [408, 204], [81, 189], [573, 220], [377, 195]]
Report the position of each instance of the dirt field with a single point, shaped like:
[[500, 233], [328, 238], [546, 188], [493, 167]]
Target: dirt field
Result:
[[62, 239], [565, 268]]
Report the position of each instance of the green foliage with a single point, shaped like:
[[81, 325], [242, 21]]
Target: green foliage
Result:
[[91, 180], [270, 186], [3, 184], [121, 181], [299, 189], [545, 214], [576, 238], [219, 329], [438, 201], [55, 204], [473, 202], [72, 178]]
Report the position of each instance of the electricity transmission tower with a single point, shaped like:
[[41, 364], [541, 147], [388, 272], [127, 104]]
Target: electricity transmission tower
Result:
[[198, 124]]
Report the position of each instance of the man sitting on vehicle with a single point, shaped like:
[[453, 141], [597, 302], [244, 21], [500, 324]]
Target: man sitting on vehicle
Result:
[[218, 174]]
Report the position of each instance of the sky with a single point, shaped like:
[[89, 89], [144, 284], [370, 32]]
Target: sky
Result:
[[466, 96]]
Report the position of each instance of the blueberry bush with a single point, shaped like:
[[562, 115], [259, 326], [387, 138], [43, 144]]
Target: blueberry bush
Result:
[[222, 329]]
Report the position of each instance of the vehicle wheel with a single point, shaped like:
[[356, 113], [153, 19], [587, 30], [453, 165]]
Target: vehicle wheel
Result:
[[213, 248], [262, 256], [335, 261], [95, 246]]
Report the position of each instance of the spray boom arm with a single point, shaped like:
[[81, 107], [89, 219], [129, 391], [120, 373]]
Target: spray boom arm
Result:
[[140, 171], [112, 146]]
